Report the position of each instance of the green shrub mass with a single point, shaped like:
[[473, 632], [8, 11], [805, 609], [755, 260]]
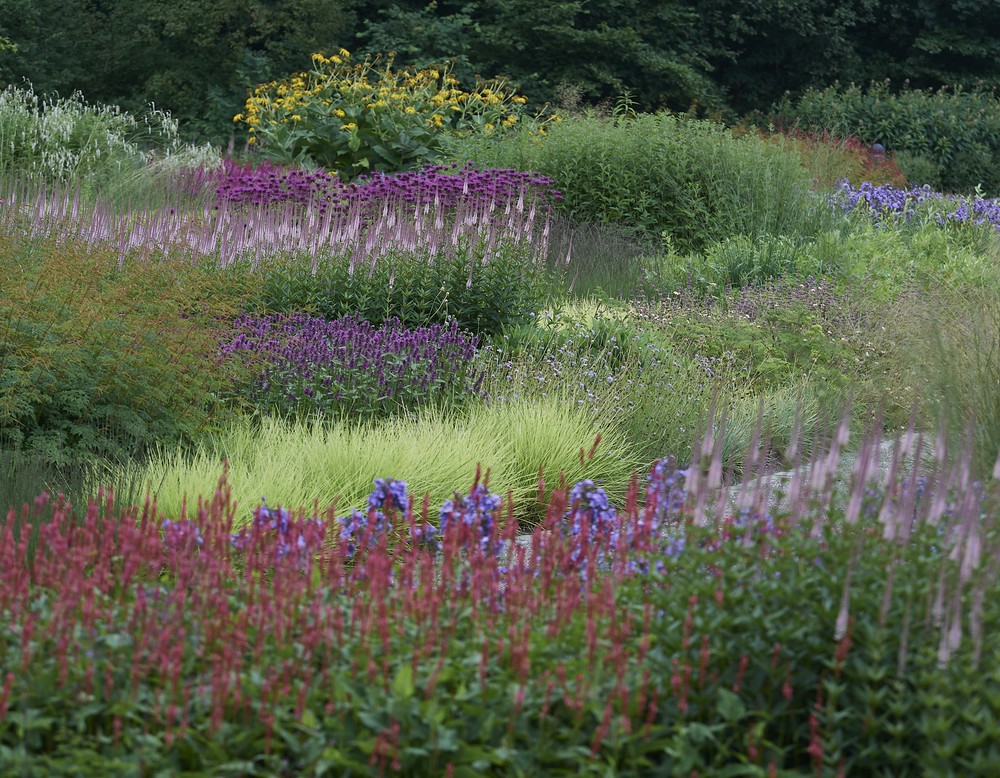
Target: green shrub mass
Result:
[[677, 179], [97, 361], [947, 138], [484, 295]]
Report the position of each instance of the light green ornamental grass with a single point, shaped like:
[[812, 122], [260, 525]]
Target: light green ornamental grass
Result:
[[300, 464]]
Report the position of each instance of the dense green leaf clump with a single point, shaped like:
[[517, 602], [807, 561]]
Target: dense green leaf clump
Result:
[[676, 179], [948, 138]]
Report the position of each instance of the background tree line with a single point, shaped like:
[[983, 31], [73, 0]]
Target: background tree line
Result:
[[721, 58]]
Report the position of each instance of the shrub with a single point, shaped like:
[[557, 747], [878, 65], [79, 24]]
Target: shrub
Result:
[[361, 118], [830, 159], [306, 365], [483, 293], [688, 181], [101, 361], [957, 130], [790, 337], [99, 149]]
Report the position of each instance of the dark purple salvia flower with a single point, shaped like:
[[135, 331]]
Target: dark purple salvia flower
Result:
[[309, 364]]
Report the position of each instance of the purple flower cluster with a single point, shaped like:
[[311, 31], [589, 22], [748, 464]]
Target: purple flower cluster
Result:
[[444, 186], [295, 540], [181, 536], [366, 529], [269, 183], [478, 513], [889, 203], [449, 185], [309, 364]]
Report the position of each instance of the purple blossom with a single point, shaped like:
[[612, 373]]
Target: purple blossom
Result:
[[183, 535], [444, 186], [890, 204], [357, 528], [303, 363], [477, 512], [293, 540]]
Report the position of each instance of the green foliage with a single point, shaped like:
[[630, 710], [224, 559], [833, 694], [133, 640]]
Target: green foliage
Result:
[[596, 50], [192, 60], [955, 129], [483, 295], [299, 462], [920, 169], [102, 362], [708, 662], [606, 360], [687, 181], [67, 139], [597, 259], [946, 346]]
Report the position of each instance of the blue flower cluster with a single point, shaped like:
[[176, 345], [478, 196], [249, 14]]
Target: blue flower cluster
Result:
[[591, 522], [477, 511], [893, 204], [183, 535], [389, 496], [294, 539]]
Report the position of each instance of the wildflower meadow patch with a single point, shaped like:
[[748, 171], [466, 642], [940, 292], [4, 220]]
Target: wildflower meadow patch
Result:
[[635, 639]]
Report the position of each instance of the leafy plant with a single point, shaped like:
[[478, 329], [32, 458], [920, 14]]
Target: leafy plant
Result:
[[670, 177], [481, 294], [360, 118], [101, 361], [954, 128]]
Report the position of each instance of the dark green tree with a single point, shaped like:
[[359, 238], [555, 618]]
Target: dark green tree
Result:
[[195, 59], [599, 49]]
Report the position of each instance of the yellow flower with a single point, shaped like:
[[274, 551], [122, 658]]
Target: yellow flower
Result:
[[296, 117], [339, 113], [238, 117], [350, 126]]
